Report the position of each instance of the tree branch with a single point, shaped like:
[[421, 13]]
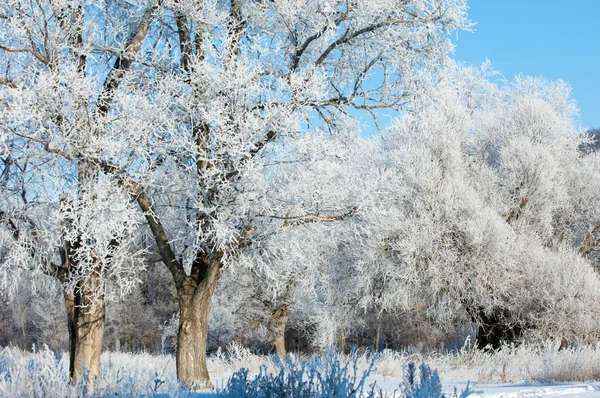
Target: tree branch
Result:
[[589, 246], [123, 63], [312, 217], [137, 191], [302, 49], [32, 51], [185, 41], [61, 272], [8, 83]]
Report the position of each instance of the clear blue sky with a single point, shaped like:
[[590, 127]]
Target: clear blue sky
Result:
[[557, 39]]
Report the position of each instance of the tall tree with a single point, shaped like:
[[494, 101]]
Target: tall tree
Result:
[[63, 62], [225, 104], [485, 205], [255, 81]]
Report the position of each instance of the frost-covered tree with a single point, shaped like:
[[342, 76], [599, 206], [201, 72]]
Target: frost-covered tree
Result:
[[199, 108], [593, 145], [486, 205], [260, 298], [222, 117], [80, 241], [62, 63]]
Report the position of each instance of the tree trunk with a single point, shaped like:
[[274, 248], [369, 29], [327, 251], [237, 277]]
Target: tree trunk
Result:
[[277, 327], [342, 342], [194, 307], [191, 341], [378, 333], [71, 324], [85, 318], [23, 331]]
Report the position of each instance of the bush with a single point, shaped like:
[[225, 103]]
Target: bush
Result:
[[428, 385], [324, 377], [330, 377]]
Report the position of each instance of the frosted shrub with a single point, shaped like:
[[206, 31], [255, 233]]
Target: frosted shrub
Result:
[[46, 374], [581, 363], [330, 376], [427, 384], [324, 377], [33, 374]]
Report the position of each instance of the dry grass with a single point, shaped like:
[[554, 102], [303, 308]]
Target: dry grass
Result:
[[45, 373], [512, 364]]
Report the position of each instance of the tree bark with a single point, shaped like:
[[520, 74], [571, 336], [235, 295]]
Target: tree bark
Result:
[[277, 327], [72, 326], [85, 318], [194, 307], [342, 342], [378, 333]]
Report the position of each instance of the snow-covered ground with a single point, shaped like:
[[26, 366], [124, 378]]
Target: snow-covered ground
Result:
[[508, 390], [524, 371], [389, 386], [583, 390]]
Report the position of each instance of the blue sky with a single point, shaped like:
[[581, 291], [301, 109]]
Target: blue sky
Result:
[[557, 39]]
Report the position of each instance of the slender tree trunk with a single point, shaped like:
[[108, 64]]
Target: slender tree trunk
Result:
[[194, 307], [72, 326], [85, 318], [342, 341], [23, 331], [277, 327], [378, 333]]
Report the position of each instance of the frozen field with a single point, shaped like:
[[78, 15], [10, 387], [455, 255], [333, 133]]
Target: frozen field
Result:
[[523, 390], [524, 371]]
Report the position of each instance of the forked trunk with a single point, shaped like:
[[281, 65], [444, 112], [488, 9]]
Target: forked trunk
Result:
[[194, 307], [277, 327], [85, 317]]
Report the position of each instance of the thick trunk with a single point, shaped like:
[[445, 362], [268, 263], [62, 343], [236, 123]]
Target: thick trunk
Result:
[[277, 327], [191, 341], [85, 317], [90, 333], [194, 307]]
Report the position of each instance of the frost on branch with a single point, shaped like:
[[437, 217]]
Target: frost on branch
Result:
[[101, 228], [94, 234], [479, 208]]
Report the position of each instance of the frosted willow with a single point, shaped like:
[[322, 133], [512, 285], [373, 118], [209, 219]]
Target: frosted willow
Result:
[[485, 210]]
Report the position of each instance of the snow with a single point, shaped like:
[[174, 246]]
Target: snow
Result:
[[525, 390], [390, 385], [524, 371]]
